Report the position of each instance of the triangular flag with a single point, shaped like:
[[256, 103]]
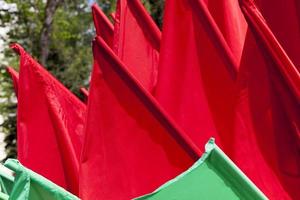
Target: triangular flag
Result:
[[30, 186], [188, 86], [131, 145], [137, 41], [213, 176], [15, 78], [198, 87], [269, 104], [103, 26], [50, 124]]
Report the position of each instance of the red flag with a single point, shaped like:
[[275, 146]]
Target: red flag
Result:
[[103, 26], [50, 124], [188, 86], [197, 86], [15, 78], [137, 41], [131, 145], [269, 91], [283, 18], [85, 93]]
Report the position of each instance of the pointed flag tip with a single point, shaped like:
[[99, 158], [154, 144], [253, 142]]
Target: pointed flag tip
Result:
[[94, 5], [9, 69], [210, 145], [17, 48], [12, 164]]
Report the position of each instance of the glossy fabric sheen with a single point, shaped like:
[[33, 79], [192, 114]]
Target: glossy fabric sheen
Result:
[[50, 124], [137, 41], [188, 86], [30, 186], [233, 26], [131, 146], [213, 176]]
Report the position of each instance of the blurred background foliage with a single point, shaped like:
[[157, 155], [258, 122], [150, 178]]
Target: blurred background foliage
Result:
[[58, 33]]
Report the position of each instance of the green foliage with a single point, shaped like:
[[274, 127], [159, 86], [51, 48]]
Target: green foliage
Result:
[[70, 57], [156, 10], [8, 112], [108, 6]]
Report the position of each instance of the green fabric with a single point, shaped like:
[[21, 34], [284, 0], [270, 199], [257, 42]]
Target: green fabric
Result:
[[6, 182], [213, 176], [30, 186], [3, 196]]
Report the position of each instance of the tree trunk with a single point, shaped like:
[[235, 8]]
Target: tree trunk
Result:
[[50, 9]]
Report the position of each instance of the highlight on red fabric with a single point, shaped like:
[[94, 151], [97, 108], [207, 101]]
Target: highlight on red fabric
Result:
[[137, 41], [195, 82], [231, 22], [208, 22], [15, 78], [103, 26], [131, 145], [85, 93], [269, 89], [50, 124]]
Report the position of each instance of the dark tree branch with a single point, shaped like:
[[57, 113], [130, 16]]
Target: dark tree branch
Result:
[[50, 10]]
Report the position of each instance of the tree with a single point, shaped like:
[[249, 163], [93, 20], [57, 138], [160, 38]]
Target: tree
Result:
[[58, 33], [155, 8]]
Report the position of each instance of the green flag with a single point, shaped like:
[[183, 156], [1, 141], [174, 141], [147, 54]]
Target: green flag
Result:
[[6, 180], [213, 176], [3, 196], [28, 185]]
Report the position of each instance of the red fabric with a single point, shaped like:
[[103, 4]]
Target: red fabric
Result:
[[103, 26], [284, 64], [131, 145], [137, 41], [283, 18], [85, 93], [50, 124], [269, 89], [253, 113], [15, 78], [233, 26], [197, 85], [215, 34], [188, 86]]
